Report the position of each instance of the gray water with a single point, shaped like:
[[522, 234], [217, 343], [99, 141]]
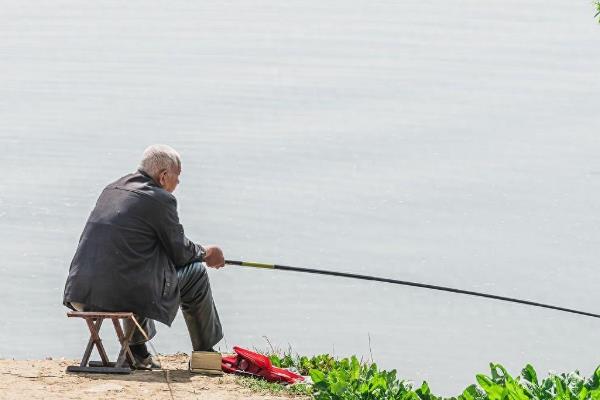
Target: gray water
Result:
[[448, 143]]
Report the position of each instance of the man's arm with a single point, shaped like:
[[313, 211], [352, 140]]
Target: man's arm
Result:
[[179, 248], [170, 233]]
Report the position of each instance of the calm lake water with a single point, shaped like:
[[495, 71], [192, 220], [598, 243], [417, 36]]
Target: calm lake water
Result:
[[450, 143]]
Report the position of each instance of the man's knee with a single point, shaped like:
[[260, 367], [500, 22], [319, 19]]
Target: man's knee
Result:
[[190, 273], [194, 286]]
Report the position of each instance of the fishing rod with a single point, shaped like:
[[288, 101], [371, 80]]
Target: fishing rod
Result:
[[407, 283]]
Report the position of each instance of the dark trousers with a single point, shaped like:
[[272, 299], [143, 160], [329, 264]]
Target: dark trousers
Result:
[[197, 307]]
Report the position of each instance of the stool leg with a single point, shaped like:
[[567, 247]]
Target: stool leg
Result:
[[94, 331], [89, 347], [125, 353]]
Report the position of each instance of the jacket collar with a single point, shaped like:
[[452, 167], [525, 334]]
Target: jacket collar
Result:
[[152, 181]]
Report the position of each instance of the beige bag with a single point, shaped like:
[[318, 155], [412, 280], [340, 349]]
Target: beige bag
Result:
[[206, 362]]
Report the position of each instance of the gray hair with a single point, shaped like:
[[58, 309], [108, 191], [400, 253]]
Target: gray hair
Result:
[[160, 157]]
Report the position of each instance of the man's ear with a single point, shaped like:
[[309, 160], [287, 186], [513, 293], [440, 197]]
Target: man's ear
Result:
[[162, 178]]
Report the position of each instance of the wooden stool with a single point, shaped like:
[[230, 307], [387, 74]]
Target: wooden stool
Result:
[[125, 360]]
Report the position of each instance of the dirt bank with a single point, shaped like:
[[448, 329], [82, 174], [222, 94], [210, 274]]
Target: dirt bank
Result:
[[47, 379]]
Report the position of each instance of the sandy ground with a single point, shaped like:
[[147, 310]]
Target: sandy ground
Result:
[[47, 379]]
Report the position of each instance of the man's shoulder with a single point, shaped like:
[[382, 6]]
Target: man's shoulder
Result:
[[143, 186]]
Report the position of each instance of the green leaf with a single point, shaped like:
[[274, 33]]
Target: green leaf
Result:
[[275, 360], [583, 394], [493, 390], [424, 392], [316, 375], [354, 368], [473, 393], [594, 394], [337, 388], [559, 386], [529, 374]]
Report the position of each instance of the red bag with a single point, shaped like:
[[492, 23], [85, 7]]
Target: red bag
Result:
[[247, 362]]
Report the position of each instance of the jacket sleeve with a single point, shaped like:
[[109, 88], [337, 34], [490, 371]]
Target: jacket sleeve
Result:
[[170, 232]]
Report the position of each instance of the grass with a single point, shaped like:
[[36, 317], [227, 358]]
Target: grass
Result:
[[351, 379], [262, 386]]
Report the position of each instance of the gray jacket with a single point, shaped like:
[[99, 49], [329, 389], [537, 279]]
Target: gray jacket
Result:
[[129, 249]]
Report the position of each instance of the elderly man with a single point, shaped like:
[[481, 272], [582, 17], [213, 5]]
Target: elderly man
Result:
[[134, 256]]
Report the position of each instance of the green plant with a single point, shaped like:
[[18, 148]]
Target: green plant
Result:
[[303, 364], [567, 386], [500, 385], [351, 379]]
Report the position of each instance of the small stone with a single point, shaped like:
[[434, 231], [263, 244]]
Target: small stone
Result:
[[49, 358]]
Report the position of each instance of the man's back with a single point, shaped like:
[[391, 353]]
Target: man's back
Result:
[[128, 251]]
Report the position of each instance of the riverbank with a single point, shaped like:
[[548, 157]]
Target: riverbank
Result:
[[47, 379], [332, 378]]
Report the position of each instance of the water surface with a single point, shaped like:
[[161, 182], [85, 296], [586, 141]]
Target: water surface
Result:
[[454, 144]]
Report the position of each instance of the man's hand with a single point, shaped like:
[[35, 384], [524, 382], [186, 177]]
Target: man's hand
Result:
[[214, 257]]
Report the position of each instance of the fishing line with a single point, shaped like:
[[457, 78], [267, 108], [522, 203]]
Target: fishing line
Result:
[[408, 283], [165, 371]]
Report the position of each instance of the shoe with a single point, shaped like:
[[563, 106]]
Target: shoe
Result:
[[145, 363]]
